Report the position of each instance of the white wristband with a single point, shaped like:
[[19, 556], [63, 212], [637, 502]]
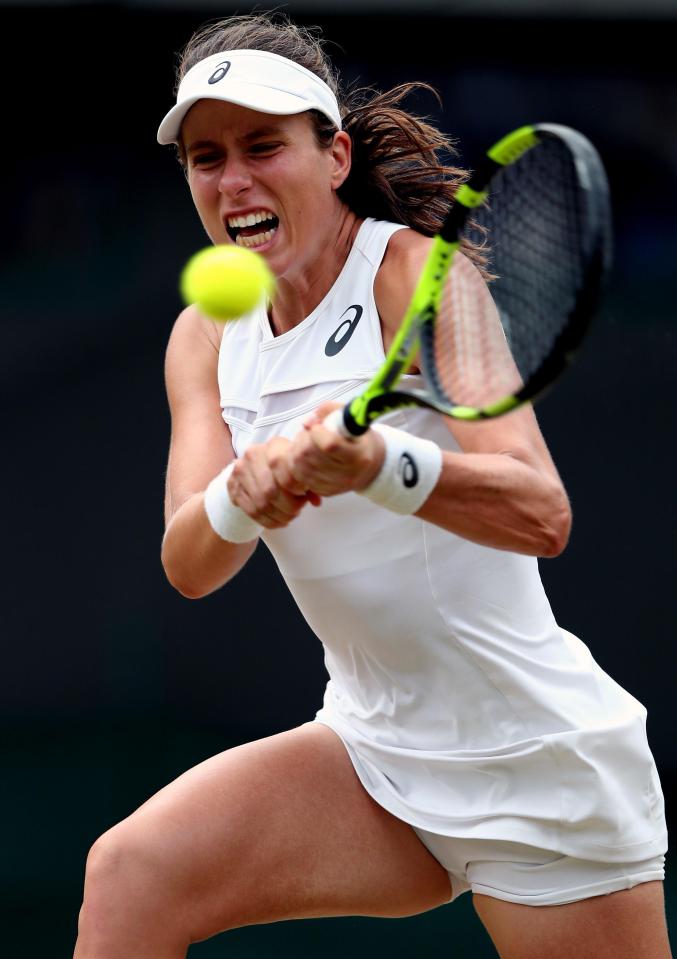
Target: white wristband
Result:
[[227, 520], [410, 471]]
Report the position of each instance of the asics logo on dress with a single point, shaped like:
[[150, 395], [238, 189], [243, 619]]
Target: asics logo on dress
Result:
[[220, 72], [344, 331], [407, 470]]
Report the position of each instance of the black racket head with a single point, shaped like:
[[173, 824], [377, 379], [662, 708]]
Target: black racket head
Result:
[[545, 235]]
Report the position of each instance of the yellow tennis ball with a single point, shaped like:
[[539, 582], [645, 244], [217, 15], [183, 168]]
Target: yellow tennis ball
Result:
[[226, 281]]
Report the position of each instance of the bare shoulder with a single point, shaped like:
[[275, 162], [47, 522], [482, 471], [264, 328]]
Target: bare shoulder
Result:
[[398, 274], [405, 245], [193, 333], [192, 355]]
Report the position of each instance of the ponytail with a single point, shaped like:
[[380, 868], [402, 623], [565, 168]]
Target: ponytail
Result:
[[398, 171]]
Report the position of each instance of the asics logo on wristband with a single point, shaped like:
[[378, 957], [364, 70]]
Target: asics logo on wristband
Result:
[[345, 330], [407, 469], [411, 468]]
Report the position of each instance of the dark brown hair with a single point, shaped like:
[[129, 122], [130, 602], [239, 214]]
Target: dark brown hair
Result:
[[396, 171]]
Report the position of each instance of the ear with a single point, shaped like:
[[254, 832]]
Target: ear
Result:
[[341, 153]]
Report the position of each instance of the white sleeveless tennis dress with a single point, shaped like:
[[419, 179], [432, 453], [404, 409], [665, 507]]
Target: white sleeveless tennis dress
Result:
[[465, 709]]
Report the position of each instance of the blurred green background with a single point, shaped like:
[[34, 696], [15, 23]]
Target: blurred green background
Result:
[[112, 684]]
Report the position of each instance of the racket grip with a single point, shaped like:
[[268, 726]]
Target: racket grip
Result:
[[334, 422], [337, 421]]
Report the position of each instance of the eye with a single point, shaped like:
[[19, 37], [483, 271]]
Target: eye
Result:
[[261, 149], [204, 159]]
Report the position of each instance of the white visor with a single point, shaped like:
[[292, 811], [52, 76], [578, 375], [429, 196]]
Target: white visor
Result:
[[250, 78]]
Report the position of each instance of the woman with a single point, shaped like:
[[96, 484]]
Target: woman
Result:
[[466, 741]]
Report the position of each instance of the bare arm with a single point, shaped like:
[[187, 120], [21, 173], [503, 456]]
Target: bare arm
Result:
[[195, 559], [503, 489]]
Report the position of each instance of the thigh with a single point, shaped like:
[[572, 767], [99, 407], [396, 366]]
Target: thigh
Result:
[[629, 924], [278, 829]]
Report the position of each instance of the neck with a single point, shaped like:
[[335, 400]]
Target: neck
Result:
[[296, 298]]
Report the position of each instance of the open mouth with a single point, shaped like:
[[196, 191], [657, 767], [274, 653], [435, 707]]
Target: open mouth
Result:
[[252, 229]]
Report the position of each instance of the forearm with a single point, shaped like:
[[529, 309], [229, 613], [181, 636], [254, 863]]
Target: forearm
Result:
[[498, 500], [195, 559]]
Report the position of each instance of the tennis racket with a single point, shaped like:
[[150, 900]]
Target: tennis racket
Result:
[[539, 203]]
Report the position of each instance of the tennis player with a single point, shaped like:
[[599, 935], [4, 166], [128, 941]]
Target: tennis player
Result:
[[466, 741]]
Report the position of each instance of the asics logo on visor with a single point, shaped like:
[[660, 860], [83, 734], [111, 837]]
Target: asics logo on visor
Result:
[[344, 331], [220, 72], [407, 470]]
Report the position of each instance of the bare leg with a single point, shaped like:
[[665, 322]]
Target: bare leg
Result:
[[276, 829], [629, 924]]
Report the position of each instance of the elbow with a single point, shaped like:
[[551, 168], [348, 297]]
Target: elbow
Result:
[[195, 580], [183, 584], [557, 528], [187, 589]]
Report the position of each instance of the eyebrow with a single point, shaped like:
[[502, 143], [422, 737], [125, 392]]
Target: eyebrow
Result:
[[265, 131], [268, 130]]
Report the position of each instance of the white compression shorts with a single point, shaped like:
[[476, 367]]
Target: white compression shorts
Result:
[[531, 876]]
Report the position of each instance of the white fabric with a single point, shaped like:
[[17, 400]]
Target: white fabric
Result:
[[515, 872], [226, 519], [466, 710], [250, 78], [409, 474]]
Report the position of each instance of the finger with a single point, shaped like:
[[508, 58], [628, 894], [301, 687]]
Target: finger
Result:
[[257, 493], [273, 515], [308, 465], [319, 414], [331, 443], [278, 461], [315, 469], [274, 503]]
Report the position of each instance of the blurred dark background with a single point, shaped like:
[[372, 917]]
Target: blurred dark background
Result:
[[112, 684]]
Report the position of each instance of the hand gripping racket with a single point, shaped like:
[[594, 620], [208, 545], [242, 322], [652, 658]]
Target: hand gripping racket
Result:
[[539, 202]]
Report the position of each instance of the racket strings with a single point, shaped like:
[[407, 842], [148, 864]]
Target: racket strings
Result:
[[487, 344], [471, 353]]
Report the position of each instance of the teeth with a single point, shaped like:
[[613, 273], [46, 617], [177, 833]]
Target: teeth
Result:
[[257, 240], [250, 219]]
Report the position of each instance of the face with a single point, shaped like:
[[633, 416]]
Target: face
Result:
[[262, 181]]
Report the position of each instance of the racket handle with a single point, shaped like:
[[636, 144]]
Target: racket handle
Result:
[[340, 421], [334, 422]]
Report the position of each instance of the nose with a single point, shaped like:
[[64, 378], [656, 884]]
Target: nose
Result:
[[235, 177]]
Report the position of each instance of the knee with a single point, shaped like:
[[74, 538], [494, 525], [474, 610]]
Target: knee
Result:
[[106, 875], [123, 879], [130, 905], [112, 860]]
